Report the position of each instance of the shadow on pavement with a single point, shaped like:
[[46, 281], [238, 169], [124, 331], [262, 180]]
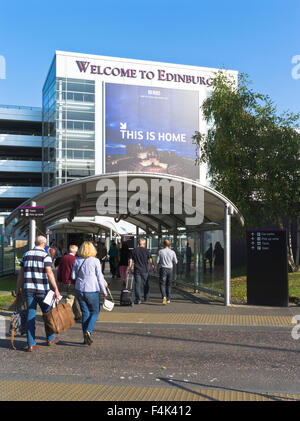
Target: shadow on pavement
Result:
[[180, 339], [178, 384]]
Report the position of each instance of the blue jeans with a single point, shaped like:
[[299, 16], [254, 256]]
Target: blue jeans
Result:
[[89, 305], [32, 299], [165, 281], [138, 278]]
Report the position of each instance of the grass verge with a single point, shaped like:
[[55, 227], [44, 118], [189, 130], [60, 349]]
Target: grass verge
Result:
[[238, 289]]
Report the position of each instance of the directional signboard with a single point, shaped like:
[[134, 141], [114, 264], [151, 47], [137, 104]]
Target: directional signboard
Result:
[[267, 268], [31, 211]]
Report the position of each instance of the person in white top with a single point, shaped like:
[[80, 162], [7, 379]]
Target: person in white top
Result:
[[166, 259]]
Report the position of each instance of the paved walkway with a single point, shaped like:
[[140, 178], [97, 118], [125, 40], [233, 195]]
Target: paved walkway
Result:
[[41, 391], [186, 309]]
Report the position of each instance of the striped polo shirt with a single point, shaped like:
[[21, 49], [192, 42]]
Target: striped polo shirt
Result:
[[34, 263]]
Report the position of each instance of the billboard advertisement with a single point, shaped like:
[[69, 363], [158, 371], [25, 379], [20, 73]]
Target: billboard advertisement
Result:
[[150, 129]]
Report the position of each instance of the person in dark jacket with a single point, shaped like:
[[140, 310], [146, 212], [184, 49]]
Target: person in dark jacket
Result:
[[188, 257], [66, 283], [208, 256], [141, 257], [113, 259], [102, 255], [124, 256], [218, 259]]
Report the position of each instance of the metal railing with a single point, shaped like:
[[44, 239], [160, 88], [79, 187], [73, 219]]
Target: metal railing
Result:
[[20, 107]]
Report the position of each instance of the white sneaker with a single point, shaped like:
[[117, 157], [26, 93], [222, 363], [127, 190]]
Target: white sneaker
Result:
[[168, 302]]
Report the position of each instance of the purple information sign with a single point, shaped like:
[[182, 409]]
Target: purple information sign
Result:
[[31, 211]]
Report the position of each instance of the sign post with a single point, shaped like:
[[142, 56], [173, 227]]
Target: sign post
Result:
[[267, 268], [31, 212]]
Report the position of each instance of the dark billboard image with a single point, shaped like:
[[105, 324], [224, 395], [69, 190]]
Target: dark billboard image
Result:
[[150, 129]]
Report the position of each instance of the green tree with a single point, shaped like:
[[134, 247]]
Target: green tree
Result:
[[252, 153]]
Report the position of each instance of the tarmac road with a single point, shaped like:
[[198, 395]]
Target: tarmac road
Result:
[[249, 359]]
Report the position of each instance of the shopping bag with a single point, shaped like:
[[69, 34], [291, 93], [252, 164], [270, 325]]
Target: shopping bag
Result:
[[59, 318], [18, 320]]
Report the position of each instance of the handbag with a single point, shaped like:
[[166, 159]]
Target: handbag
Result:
[[59, 318], [80, 268], [108, 305]]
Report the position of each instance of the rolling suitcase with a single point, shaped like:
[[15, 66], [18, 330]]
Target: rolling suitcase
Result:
[[126, 293]]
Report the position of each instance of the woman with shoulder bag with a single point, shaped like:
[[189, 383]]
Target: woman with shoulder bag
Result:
[[89, 281]]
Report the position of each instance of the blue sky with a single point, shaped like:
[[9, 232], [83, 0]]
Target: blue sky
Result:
[[255, 37]]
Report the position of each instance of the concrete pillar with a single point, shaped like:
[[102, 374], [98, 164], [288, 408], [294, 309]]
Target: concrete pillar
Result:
[[196, 259], [137, 237], [227, 253], [107, 242], [159, 237], [176, 251]]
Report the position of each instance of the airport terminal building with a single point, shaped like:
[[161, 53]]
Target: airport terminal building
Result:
[[99, 115], [106, 114], [103, 115]]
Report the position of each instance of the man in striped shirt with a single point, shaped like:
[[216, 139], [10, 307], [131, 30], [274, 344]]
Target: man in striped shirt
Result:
[[36, 272]]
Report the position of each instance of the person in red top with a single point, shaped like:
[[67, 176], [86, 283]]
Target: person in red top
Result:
[[66, 283]]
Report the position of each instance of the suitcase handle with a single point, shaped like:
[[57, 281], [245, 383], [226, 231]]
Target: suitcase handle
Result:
[[127, 279]]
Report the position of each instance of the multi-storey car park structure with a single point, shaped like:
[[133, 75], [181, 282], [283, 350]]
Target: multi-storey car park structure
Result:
[[20, 166], [20, 155]]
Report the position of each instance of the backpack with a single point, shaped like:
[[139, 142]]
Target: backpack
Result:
[[18, 320]]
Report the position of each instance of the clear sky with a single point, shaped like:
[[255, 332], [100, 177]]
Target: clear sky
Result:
[[257, 37]]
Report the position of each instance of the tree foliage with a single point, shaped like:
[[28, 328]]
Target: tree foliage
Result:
[[252, 153]]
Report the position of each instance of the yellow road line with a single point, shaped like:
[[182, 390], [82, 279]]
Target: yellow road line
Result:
[[41, 391], [184, 318], [210, 319]]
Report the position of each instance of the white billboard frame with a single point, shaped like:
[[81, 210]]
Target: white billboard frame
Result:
[[103, 69]]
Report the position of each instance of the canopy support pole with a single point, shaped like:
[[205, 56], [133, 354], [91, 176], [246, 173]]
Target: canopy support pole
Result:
[[32, 229], [227, 253]]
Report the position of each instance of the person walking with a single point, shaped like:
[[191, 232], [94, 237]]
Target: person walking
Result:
[[89, 282], [124, 255], [59, 253], [188, 258], [113, 259], [66, 283], [165, 260], [208, 256], [35, 275], [218, 260], [102, 255], [141, 257], [51, 251]]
